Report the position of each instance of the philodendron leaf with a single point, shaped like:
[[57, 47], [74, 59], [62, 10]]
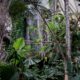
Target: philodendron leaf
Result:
[[19, 44], [24, 51]]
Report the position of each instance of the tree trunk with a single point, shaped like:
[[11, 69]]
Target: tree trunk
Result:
[[68, 39], [4, 23], [21, 76]]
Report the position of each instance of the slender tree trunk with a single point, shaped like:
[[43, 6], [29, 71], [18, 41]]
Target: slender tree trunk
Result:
[[68, 39], [66, 76], [21, 76]]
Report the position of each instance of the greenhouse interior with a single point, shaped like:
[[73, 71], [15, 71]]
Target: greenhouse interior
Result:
[[39, 39]]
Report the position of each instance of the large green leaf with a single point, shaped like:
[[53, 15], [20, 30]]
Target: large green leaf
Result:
[[19, 44], [24, 51]]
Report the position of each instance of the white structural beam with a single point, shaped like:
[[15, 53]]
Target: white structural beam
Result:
[[77, 5], [45, 3], [72, 5]]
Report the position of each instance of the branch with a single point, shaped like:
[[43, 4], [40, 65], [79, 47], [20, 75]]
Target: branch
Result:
[[9, 3]]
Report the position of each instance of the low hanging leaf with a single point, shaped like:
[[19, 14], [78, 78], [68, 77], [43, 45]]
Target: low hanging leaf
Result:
[[53, 26]]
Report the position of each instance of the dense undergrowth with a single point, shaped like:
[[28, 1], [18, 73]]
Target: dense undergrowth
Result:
[[25, 62]]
